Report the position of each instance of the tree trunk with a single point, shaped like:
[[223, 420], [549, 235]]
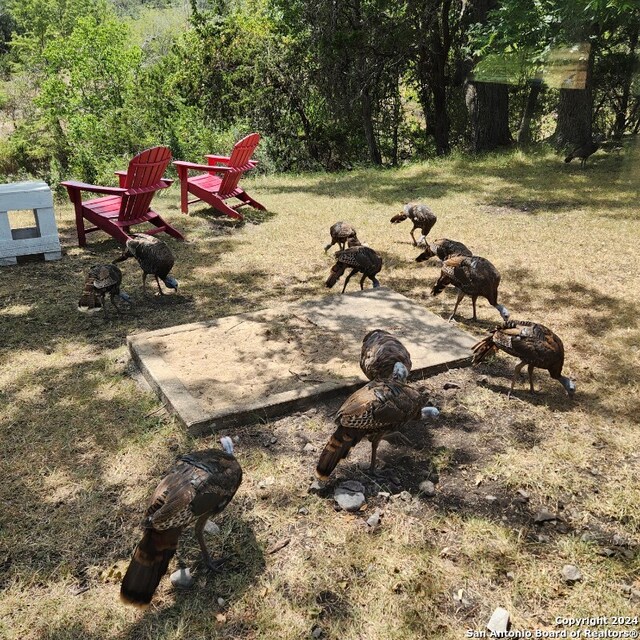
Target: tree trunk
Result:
[[488, 107], [367, 122], [575, 112], [524, 132], [621, 112]]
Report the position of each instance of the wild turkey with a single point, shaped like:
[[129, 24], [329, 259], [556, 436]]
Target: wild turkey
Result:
[[473, 276], [340, 233], [101, 280], [383, 356], [585, 150], [199, 486], [361, 260], [443, 248], [534, 344], [375, 410], [421, 216], [153, 256]]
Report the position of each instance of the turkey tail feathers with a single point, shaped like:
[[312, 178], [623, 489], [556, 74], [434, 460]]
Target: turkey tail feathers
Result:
[[482, 349], [338, 447], [336, 272], [149, 563]]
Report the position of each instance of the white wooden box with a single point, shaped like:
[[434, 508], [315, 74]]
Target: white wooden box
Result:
[[39, 239]]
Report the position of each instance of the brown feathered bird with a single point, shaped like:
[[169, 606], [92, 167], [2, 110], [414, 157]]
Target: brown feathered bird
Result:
[[421, 216], [444, 248], [472, 276], [534, 344], [360, 259], [102, 280], [199, 486], [341, 232], [375, 410], [383, 356], [154, 257], [585, 150]]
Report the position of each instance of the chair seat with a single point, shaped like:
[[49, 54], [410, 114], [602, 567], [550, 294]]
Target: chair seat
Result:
[[107, 206], [212, 183]]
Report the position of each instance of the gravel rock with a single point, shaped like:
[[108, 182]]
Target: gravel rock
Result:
[[525, 495], [308, 448], [267, 482], [451, 385], [211, 528], [490, 498], [348, 499], [374, 520], [499, 621], [317, 632], [544, 516], [427, 488], [221, 602], [182, 579], [303, 511], [571, 573], [352, 485], [315, 487]]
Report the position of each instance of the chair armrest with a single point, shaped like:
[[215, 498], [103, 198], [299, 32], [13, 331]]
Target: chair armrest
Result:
[[122, 178], [136, 191], [83, 186], [213, 158], [201, 167]]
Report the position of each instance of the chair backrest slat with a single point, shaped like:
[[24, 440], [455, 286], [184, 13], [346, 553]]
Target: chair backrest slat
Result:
[[145, 170], [240, 156]]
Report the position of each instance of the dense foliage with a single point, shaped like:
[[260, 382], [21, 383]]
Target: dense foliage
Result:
[[85, 83]]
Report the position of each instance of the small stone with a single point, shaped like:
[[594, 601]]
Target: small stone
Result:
[[450, 385], [499, 622], [312, 411], [236, 439], [303, 511], [211, 528], [385, 495], [348, 500], [352, 485], [543, 539], [405, 496], [511, 575], [315, 487], [619, 541], [427, 488], [571, 573], [182, 579], [274, 440], [524, 494], [374, 520], [544, 516], [626, 588], [308, 448], [490, 498], [317, 632], [606, 552], [221, 602], [267, 482]]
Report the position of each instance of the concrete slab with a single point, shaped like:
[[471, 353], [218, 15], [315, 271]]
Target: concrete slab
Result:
[[239, 369]]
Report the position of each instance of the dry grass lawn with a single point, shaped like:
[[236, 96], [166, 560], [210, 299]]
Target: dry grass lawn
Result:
[[83, 444]]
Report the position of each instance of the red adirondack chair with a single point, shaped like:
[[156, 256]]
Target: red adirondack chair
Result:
[[220, 183], [127, 205]]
